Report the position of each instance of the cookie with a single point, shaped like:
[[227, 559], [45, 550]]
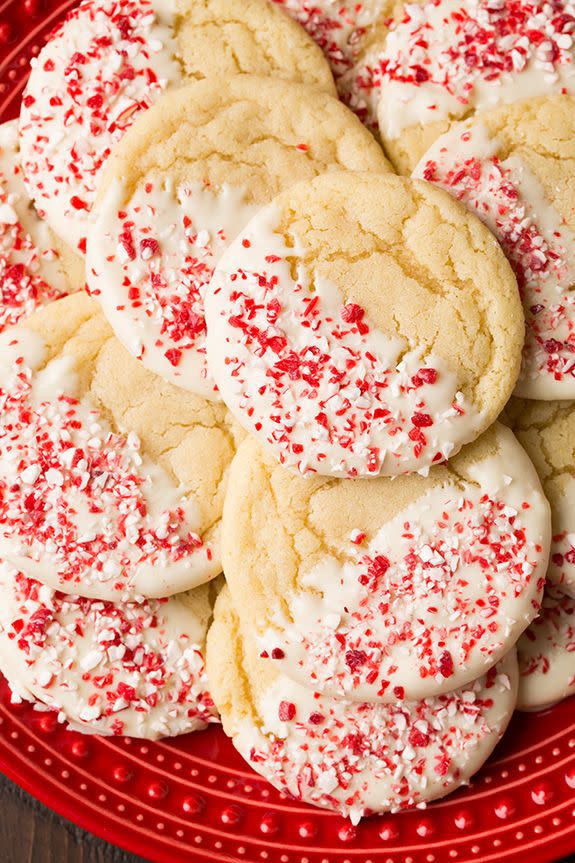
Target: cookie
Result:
[[111, 481], [35, 268], [340, 29], [515, 168], [546, 654], [357, 759], [547, 432], [364, 325], [449, 59], [108, 62], [385, 589], [133, 669], [183, 182]]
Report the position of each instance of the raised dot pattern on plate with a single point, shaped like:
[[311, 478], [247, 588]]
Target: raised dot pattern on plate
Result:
[[194, 799]]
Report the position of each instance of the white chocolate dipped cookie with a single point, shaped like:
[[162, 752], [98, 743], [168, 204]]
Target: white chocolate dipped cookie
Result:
[[134, 669], [444, 60], [108, 62], [339, 28], [111, 481], [546, 430], [364, 325], [387, 589], [357, 759], [546, 653], [515, 168], [35, 268], [184, 181]]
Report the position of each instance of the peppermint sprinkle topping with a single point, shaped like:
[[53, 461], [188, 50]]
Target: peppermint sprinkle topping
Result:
[[149, 263], [446, 56], [308, 373], [76, 497], [358, 758], [107, 62], [540, 247], [441, 592], [30, 274], [131, 668]]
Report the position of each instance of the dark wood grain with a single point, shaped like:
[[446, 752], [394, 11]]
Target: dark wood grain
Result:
[[31, 833]]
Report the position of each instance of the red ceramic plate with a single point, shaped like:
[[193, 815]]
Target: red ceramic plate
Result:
[[195, 799]]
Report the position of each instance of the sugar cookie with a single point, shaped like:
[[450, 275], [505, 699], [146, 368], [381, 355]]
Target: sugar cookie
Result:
[[364, 325], [183, 182], [447, 59], [357, 759], [134, 669], [111, 482], [546, 654], [108, 62], [547, 432], [35, 268], [384, 589], [515, 168]]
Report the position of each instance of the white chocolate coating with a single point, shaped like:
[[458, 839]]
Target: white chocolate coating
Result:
[[509, 198], [82, 510], [102, 67], [353, 758], [133, 669], [446, 58], [313, 379], [546, 653], [438, 594], [31, 270], [148, 265]]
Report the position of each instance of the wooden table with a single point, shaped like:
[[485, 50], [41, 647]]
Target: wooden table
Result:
[[30, 833]]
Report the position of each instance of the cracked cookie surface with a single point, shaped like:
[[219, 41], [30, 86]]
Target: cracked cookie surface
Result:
[[109, 62], [132, 668], [179, 187], [515, 168], [364, 325], [385, 589], [112, 481], [446, 60]]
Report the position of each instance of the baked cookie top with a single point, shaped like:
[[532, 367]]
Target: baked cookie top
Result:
[[444, 60], [356, 759], [35, 268], [387, 589], [546, 653], [129, 668], [364, 325], [112, 481], [547, 432], [108, 62], [181, 185], [515, 168]]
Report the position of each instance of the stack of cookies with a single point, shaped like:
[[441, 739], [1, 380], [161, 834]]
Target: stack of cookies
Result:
[[326, 347]]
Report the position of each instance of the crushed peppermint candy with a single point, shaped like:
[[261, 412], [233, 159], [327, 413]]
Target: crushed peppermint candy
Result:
[[103, 66], [81, 506], [445, 57], [149, 263], [337, 27], [538, 243], [546, 653], [440, 593], [30, 268], [310, 375], [129, 668], [360, 759]]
